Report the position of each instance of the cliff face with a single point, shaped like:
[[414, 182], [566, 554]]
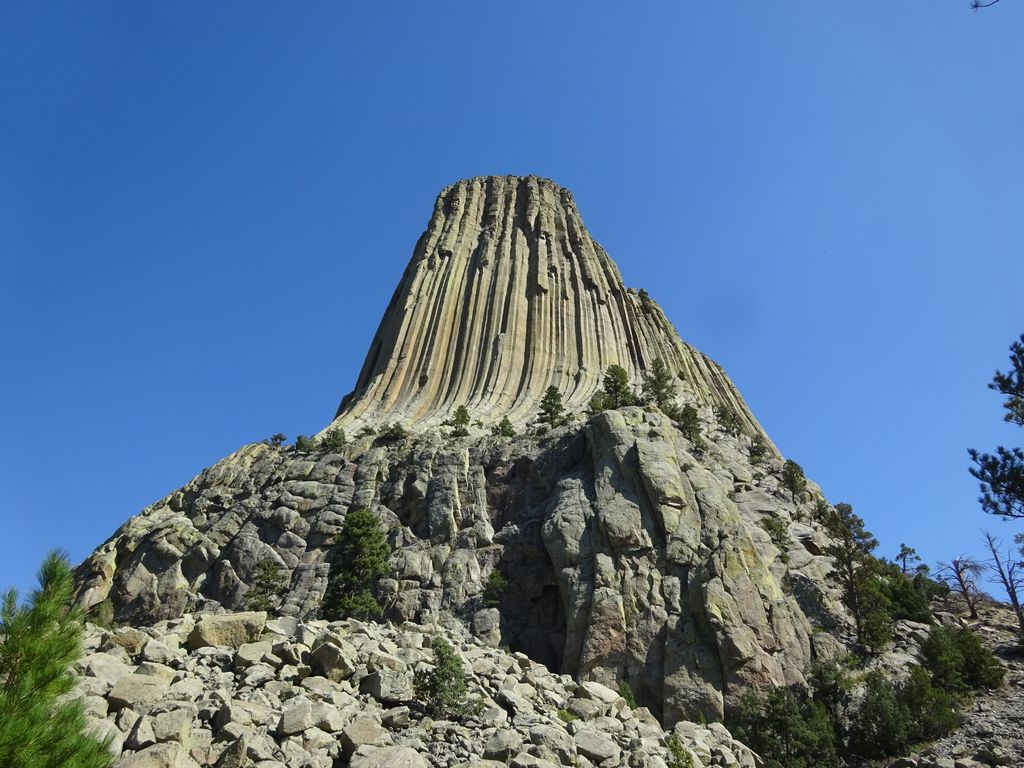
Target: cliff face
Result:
[[631, 551], [505, 295]]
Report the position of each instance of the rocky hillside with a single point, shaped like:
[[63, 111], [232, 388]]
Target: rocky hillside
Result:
[[234, 689], [636, 549]]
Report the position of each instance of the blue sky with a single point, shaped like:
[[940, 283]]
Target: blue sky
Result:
[[204, 208]]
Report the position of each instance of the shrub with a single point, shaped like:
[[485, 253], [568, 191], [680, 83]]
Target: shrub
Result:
[[905, 599], [367, 431], [359, 559], [777, 529], [40, 641], [678, 756], [442, 689], [503, 428], [494, 589], [391, 433], [881, 723], [787, 728], [334, 439], [627, 693], [268, 582], [959, 662], [566, 716], [932, 710], [304, 444], [758, 450], [102, 615], [728, 420]]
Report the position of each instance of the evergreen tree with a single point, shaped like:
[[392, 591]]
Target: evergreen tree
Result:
[[334, 439], [689, 425], [659, 389], [906, 557], [758, 450], [728, 420], [787, 728], [305, 444], [551, 407], [793, 479], [503, 428], [267, 584], [39, 644], [856, 572], [616, 390], [359, 560], [460, 422], [442, 689], [1001, 475]]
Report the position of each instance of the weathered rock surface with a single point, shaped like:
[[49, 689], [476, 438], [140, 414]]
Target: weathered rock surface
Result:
[[505, 295], [632, 552], [292, 720]]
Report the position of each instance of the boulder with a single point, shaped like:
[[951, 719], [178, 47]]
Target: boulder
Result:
[[229, 630]]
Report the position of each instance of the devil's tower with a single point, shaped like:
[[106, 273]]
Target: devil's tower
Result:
[[507, 294]]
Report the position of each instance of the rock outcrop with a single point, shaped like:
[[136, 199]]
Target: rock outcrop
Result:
[[633, 551], [505, 295]]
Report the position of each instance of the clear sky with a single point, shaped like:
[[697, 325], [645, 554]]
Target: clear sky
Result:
[[205, 207]]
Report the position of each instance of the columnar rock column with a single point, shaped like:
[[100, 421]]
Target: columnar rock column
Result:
[[505, 295]]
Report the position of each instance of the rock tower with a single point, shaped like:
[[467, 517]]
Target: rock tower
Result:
[[507, 294]]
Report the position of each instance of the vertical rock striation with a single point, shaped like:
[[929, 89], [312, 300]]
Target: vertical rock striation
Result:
[[507, 294]]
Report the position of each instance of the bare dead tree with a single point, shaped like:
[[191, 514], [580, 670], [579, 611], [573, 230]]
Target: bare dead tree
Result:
[[976, 4], [962, 574], [1009, 573]]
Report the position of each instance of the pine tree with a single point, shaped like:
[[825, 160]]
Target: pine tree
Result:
[[906, 557], [793, 479], [334, 439], [1001, 475], [689, 425], [659, 389], [267, 584], [359, 560], [460, 422], [551, 408], [39, 643], [503, 428], [856, 572], [442, 689], [616, 390]]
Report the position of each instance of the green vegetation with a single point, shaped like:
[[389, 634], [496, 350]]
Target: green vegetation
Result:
[[359, 559], [391, 433], [793, 479], [907, 557], [678, 756], [305, 444], [268, 583], [728, 420], [503, 428], [855, 570], [689, 425], [792, 728], [460, 422], [367, 431], [758, 450], [276, 440], [494, 589], [442, 689], [659, 389], [788, 728], [551, 408], [615, 392], [778, 531], [566, 716], [627, 693], [1001, 475], [333, 440], [959, 662], [39, 643]]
